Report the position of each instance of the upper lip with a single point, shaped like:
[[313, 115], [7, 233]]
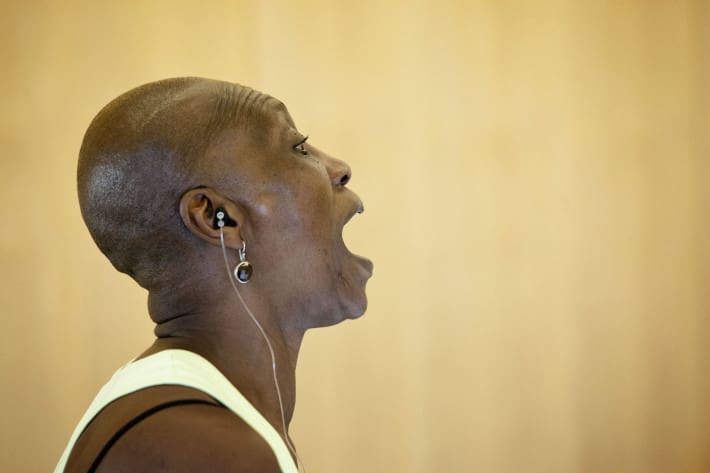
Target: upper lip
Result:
[[357, 208]]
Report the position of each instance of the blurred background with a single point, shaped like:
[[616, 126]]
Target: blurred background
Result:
[[534, 174]]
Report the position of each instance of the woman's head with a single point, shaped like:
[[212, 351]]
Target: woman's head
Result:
[[156, 163]]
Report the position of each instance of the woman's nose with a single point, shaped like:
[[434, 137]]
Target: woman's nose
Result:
[[339, 171]]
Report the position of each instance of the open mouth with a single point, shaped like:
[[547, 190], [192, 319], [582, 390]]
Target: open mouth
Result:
[[363, 263]]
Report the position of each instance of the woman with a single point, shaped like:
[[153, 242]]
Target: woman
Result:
[[207, 195]]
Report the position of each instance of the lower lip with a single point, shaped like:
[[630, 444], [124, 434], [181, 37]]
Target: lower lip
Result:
[[365, 264]]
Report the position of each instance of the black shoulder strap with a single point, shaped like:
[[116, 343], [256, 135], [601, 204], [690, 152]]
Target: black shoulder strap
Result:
[[144, 415]]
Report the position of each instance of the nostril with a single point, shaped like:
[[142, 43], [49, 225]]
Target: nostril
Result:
[[345, 179]]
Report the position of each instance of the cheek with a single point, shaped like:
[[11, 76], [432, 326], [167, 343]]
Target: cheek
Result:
[[297, 210]]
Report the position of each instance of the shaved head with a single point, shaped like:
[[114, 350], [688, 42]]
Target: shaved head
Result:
[[142, 152]]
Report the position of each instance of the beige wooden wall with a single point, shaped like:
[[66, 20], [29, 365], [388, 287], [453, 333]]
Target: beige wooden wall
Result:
[[535, 175]]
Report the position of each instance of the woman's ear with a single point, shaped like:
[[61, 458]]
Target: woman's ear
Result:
[[198, 209]]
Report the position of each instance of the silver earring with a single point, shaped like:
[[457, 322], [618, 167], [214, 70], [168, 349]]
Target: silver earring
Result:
[[244, 269]]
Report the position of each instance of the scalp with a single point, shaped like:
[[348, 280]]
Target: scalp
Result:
[[141, 153]]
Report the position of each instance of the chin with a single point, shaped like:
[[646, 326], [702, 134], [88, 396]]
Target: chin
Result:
[[356, 313], [350, 309], [348, 300], [353, 297], [354, 307]]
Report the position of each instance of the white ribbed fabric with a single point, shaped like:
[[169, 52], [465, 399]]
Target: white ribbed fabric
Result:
[[184, 368]]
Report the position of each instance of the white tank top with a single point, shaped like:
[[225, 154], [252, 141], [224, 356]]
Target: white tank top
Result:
[[184, 368]]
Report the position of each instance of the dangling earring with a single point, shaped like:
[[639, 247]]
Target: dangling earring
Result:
[[244, 269]]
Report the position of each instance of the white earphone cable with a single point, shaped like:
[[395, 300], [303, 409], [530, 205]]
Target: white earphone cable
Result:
[[271, 351]]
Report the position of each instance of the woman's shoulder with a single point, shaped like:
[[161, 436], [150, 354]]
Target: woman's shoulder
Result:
[[170, 428], [189, 438]]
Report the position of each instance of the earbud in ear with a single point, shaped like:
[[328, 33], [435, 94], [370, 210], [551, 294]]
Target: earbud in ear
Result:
[[222, 219]]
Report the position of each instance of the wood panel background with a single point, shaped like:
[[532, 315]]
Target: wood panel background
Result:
[[535, 175]]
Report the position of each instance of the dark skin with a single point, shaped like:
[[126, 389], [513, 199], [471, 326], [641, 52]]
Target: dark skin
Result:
[[290, 211]]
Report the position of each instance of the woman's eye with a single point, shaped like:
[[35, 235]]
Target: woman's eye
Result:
[[301, 147]]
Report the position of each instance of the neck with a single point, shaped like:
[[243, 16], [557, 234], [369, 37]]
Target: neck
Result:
[[225, 335]]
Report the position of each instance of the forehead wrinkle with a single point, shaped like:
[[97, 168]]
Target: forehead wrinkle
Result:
[[223, 112], [280, 107], [241, 105], [236, 105], [284, 127], [249, 104], [261, 104]]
